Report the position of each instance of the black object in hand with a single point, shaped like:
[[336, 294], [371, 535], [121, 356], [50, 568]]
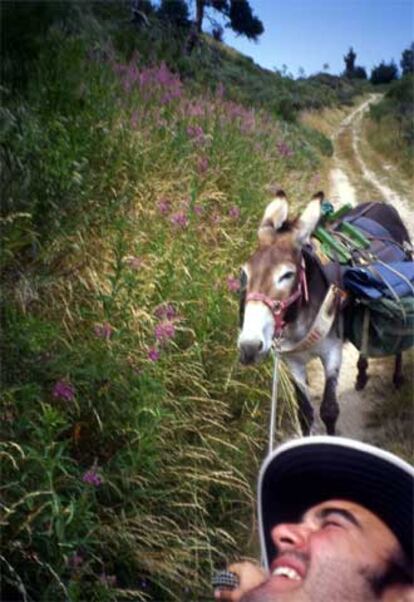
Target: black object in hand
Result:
[[225, 580]]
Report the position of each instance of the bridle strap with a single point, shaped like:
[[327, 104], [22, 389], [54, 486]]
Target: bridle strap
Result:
[[278, 308]]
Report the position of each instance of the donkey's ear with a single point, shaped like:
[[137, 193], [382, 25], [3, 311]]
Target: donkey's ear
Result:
[[319, 195], [309, 219], [274, 217]]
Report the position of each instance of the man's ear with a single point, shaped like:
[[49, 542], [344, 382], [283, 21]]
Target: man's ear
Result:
[[309, 219]]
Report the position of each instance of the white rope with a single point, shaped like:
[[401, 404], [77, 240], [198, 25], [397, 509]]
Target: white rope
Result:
[[272, 426]]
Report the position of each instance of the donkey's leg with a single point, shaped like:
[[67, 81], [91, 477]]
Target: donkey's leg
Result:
[[362, 376], [298, 371], [331, 360], [398, 378]]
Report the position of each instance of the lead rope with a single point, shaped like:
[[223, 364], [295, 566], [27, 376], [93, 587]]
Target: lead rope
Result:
[[273, 408]]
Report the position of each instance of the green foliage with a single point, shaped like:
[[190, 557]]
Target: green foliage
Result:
[[238, 15], [242, 20], [131, 437], [24, 27], [174, 12], [359, 73], [407, 61], [350, 61], [393, 131], [353, 71], [384, 73]]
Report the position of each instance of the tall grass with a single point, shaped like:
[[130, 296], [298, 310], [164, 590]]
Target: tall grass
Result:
[[391, 127], [131, 437]]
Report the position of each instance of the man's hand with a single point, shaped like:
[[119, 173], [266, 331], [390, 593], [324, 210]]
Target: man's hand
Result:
[[250, 576]]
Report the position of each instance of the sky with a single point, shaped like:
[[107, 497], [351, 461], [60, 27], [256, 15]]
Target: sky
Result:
[[306, 34]]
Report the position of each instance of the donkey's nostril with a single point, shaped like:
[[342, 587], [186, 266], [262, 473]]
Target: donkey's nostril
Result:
[[249, 352]]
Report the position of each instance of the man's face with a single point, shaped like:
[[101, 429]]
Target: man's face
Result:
[[332, 555]]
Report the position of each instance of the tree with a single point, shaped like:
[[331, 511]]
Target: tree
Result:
[[175, 12], [359, 73], [141, 10], [350, 62], [383, 73], [351, 70], [407, 60], [238, 14]]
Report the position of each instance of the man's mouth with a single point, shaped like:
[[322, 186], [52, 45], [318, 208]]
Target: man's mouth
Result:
[[288, 572]]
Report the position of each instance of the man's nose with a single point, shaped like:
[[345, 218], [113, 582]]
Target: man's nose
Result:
[[287, 536]]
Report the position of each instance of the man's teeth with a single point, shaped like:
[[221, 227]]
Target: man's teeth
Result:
[[286, 571]]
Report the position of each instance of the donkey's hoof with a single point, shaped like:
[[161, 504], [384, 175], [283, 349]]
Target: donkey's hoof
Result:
[[361, 382], [330, 428], [306, 429]]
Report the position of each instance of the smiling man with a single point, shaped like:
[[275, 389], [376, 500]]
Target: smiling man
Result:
[[336, 525]]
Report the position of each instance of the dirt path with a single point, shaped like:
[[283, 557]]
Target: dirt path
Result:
[[356, 407]]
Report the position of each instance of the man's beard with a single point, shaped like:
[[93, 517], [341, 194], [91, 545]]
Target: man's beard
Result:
[[334, 582], [397, 572]]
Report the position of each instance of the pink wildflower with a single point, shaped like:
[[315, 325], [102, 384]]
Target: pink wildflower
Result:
[[179, 219], [91, 477], [202, 165], [165, 311], [234, 212], [153, 354], [284, 150], [63, 390], [196, 133], [233, 284], [198, 210], [164, 331], [195, 110], [164, 206], [103, 331], [216, 218]]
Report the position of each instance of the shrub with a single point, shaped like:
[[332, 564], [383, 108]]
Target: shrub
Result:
[[384, 73]]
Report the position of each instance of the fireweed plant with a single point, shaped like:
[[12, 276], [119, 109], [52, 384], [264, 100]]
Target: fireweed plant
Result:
[[131, 436]]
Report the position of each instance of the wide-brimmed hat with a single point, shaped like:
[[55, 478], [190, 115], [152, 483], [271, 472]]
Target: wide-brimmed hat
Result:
[[304, 472]]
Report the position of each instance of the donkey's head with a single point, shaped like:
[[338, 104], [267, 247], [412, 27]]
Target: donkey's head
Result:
[[274, 275]]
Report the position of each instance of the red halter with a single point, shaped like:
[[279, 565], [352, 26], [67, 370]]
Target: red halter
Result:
[[278, 308]]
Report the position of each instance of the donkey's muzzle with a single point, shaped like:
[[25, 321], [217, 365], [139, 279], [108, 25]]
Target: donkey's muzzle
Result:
[[250, 352]]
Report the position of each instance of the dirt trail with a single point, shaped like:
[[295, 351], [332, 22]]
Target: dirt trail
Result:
[[357, 405]]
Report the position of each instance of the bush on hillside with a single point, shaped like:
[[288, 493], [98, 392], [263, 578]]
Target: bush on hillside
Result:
[[384, 73], [359, 73], [393, 134]]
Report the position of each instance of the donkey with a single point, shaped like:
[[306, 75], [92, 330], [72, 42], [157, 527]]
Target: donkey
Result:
[[288, 301]]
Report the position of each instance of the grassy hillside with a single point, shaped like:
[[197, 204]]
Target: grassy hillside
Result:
[[391, 128], [131, 194]]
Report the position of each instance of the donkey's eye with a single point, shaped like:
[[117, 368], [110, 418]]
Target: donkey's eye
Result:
[[243, 279], [287, 276]]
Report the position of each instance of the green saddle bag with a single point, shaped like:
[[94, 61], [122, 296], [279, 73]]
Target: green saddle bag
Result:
[[381, 327]]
